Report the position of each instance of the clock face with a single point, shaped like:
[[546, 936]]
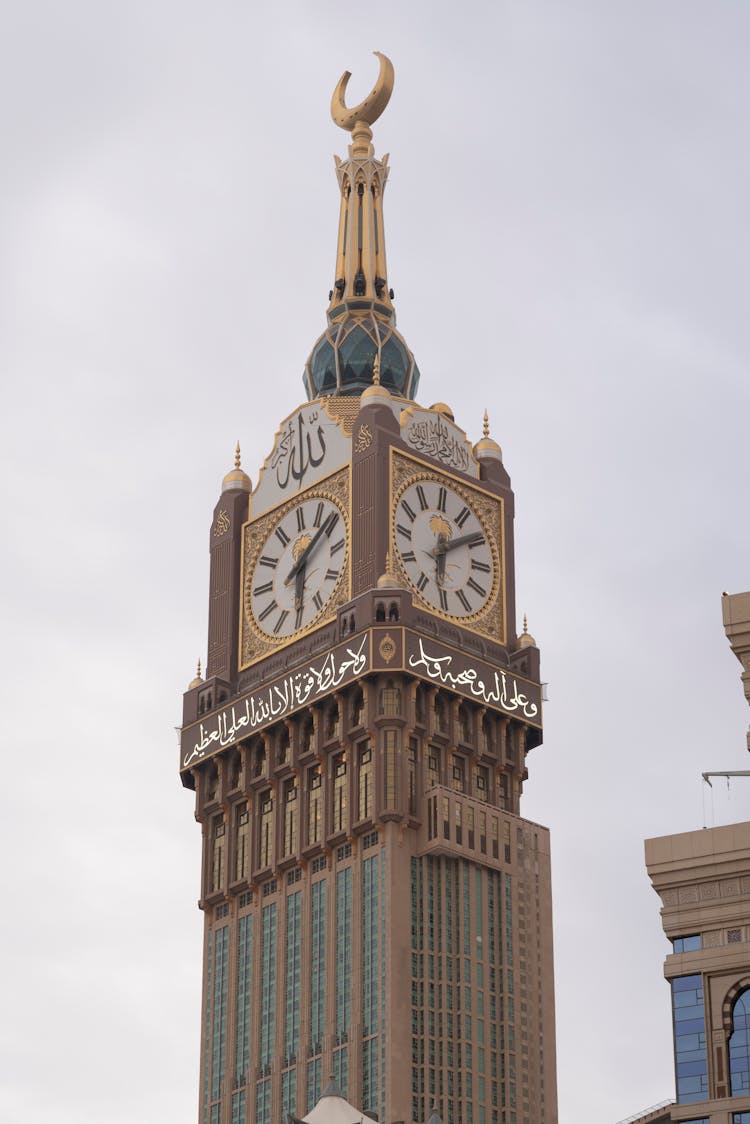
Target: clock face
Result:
[[445, 549], [298, 567]]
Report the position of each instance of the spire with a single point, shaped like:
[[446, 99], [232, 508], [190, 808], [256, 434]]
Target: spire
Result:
[[237, 479], [198, 678], [360, 304]]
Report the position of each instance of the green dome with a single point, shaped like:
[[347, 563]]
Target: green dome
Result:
[[341, 361]]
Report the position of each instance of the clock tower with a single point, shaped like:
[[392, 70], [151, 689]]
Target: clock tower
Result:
[[374, 905]]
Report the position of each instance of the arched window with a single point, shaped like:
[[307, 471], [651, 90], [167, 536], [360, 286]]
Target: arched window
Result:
[[390, 699], [739, 1046]]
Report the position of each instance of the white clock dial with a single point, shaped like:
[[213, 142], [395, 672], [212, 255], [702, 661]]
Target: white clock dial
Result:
[[298, 568], [444, 548]]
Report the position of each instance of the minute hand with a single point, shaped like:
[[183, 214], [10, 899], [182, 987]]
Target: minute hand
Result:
[[462, 540], [308, 549]]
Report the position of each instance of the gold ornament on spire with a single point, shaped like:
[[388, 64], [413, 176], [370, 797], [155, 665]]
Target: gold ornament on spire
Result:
[[526, 640], [357, 121], [376, 370], [198, 678], [237, 480], [486, 447]]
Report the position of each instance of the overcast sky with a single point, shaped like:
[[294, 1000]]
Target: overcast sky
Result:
[[567, 229]]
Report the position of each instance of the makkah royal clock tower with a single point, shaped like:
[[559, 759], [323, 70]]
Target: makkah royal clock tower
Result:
[[377, 913]]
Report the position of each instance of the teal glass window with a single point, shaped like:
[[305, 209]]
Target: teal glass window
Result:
[[687, 944], [244, 1011], [293, 949], [318, 968], [691, 1062], [268, 988], [343, 952], [739, 1047], [219, 1018]]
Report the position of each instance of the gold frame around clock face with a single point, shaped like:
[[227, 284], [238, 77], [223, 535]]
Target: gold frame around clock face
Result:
[[453, 510], [272, 547]]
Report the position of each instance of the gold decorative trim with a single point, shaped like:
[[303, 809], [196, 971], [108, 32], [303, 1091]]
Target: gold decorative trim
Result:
[[406, 470], [387, 648], [222, 524], [364, 438], [255, 643]]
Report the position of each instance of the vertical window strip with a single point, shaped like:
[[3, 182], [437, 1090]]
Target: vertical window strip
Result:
[[239, 1103], [207, 1024], [289, 1093], [293, 942], [466, 910], [343, 950], [508, 921], [341, 1068], [370, 1090], [314, 1069], [691, 1061], [219, 1037], [370, 965], [318, 967], [263, 1102], [244, 978], [268, 987]]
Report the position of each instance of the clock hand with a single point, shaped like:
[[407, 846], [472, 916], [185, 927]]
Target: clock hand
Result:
[[462, 540], [440, 550], [299, 588], [300, 563]]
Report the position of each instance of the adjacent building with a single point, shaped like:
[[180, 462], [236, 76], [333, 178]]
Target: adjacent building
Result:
[[703, 881], [375, 906]]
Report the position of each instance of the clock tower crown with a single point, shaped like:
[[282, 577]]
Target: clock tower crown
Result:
[[361, 317]]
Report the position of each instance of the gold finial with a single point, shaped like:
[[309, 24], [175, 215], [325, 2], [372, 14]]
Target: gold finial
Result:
[[486, 425], [198, 678], [236, 478], [389, 580], [376, 370], [486, 446], [526, 640], [357, 121]]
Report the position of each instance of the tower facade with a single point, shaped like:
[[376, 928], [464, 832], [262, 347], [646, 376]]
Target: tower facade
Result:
[[375, 907]]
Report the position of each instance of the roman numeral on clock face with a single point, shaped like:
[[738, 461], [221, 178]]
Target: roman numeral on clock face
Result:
[[280, 622], [441, 499], [300, 518], [268, 610], [318, 515], [337, 546], [422, 498], [471, 584], [462, 516], [282, 536], [464, 600], [317, 601], [409, 556], [443, 599], [331, 575], [412, 514], [405, 531], [422, 581], [267, 560], [482, 567], [261, 589]]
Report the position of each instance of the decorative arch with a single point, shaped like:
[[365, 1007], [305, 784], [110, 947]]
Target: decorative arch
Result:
[[736, 1019]]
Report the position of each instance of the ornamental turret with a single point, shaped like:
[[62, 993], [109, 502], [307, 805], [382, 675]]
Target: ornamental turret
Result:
[[361, 316]]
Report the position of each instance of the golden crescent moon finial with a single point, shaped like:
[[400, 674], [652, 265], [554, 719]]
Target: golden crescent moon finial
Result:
[[373, 105]]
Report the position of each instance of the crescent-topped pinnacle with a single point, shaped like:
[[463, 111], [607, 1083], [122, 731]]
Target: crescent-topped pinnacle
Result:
[[373, 105]]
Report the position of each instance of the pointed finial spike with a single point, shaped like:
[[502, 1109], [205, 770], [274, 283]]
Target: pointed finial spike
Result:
[[237, 456], [486, 425], [525, 626], [198, 669], [376, 370]]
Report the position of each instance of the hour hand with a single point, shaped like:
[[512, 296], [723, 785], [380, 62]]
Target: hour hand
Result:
[[299, 588]]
